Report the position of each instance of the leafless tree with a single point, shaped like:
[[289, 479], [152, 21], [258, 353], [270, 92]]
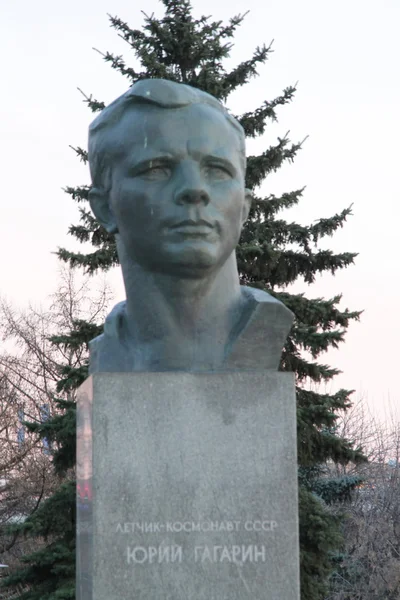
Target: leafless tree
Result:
[[29, 372], [370, 568]]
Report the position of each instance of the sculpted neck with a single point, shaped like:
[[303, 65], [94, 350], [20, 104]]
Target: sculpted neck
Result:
[[182, 304], [181, 320]]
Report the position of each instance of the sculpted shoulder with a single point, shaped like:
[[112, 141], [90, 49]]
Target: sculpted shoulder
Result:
[[259, 345], [256, 342]]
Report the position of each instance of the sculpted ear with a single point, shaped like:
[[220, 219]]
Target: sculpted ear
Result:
[[99, 203], [248, 199]]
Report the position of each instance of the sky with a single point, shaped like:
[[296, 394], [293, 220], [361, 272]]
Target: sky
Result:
[[344, 56]]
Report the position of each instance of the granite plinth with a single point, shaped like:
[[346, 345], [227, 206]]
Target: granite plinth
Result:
[[187, 487]]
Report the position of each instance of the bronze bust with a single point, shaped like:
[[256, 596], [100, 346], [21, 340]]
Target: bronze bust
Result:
[[168, 165]]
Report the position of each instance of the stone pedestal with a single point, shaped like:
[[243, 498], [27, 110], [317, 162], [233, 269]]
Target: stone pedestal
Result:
[[187, 487]]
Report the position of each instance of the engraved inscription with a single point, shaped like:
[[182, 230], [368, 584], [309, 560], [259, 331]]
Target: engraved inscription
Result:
[[195, 526], [154, 554], [232, 554], [239, 554], [206, 553]]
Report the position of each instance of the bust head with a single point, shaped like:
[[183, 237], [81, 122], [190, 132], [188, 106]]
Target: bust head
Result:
[[168, 165]]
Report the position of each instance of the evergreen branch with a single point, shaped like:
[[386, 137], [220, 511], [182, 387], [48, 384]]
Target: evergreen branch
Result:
[[337, 489], [60, 425], [258, 167], [120, 26], [310, 339], [82, 333], [245, 70], [305, 370], [311, 400], [90, 230], [254, 123], [79, 193], [318, 311], [282, 233], [82, 154], [72, 378], [118, 63], [272, 267], [318, 446], [80, 232], [269, 206], [166, 48], [94, 105], [324, 227], [102, 259], [229, 30], [48, 518]]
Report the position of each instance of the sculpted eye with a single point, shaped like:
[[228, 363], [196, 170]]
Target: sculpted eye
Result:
[[217, 172], [156, 172]]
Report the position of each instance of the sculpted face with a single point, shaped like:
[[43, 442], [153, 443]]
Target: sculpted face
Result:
[[177, 188]]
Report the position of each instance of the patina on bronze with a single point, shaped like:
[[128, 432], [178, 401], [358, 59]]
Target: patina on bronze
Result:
[[168, 178]]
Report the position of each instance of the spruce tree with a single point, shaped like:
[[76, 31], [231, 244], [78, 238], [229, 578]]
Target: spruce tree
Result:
[[272, 254]]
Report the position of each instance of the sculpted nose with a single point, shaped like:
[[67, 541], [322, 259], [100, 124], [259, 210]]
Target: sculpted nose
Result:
[[192, 195], [191, 188]]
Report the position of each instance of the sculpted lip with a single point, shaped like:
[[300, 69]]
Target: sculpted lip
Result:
[[190, 224]]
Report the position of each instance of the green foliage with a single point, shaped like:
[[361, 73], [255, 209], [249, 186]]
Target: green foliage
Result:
[[319, 535], [337, 488], [272, 254], [49, 572], [59, 431]]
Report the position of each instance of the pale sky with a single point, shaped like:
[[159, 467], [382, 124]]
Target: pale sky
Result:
[[345, 56]]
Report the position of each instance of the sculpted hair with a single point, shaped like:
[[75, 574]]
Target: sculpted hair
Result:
[[152, 92]]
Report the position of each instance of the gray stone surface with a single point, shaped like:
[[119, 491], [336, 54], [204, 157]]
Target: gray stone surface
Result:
[[194, 487]]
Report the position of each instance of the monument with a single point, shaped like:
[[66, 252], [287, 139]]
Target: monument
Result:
[[187, 475]]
